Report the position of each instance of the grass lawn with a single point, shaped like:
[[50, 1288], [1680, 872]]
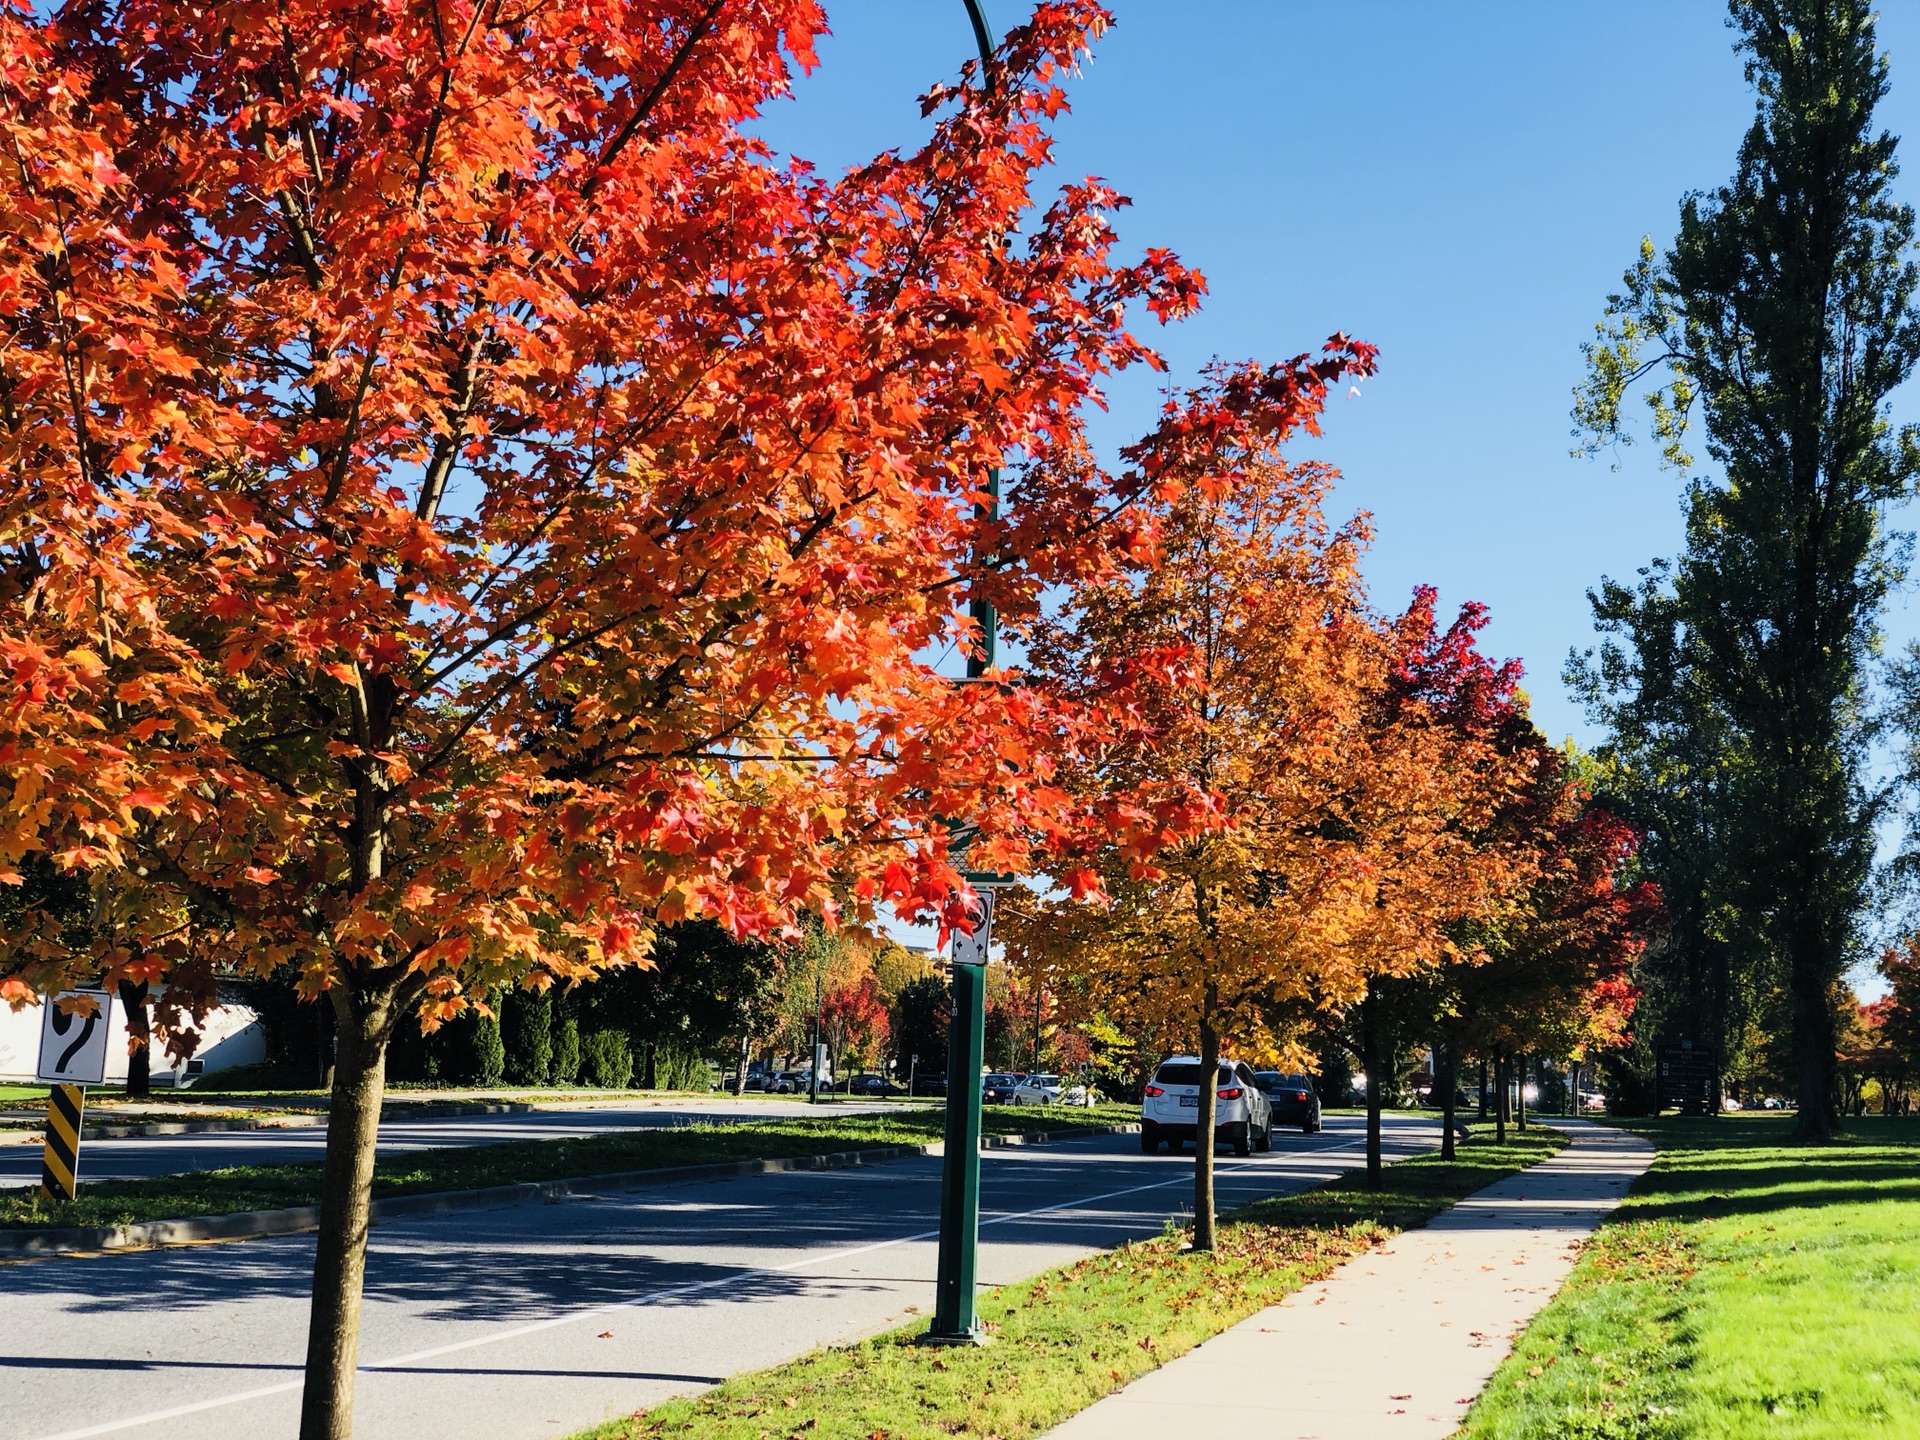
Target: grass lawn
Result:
[[1749, 1287], [1070, 1336], [13, 1094], [273, 1187]]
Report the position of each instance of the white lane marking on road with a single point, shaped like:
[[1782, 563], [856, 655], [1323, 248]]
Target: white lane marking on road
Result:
[[520, 1332]]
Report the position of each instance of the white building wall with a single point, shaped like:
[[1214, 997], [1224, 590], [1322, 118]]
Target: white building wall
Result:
[[232, 1035]]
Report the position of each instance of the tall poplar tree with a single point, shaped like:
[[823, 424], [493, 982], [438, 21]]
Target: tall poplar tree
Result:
[[1783, 315]]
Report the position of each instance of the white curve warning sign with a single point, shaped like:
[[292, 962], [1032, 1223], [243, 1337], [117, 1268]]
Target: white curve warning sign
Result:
[[73, 1047]]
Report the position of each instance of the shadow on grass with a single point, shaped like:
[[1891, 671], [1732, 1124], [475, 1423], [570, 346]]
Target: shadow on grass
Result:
[[1739, 1165]]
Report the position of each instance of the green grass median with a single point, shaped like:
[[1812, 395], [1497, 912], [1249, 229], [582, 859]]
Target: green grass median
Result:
[[1750, 1286], [274, 1187], [1072, 1335]]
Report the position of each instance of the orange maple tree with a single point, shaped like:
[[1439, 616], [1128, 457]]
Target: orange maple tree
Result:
[[1350, 808], [1549, 972], [466, 502]]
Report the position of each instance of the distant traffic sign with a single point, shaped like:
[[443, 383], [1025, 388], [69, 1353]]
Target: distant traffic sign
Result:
[[73, 1047]]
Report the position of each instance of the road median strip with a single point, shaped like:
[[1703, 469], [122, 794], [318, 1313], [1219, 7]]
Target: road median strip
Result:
[[21, 1238], [1071, 1335]]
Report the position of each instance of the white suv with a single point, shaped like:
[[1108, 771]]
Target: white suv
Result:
[[1170, 1107]]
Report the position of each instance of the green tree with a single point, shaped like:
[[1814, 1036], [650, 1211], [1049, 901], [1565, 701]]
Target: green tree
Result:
[[1784, 313], [921, 1014], [704, 987], [528, 1029], [607, 1059], [566, 1051]]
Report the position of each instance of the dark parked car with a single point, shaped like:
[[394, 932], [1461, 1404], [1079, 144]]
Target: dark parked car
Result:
[[925, 1084], [873, 1086], [1292, 1097], [997, 1088]]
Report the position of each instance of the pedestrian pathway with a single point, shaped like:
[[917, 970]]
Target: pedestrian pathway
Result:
[[1395, 1344]]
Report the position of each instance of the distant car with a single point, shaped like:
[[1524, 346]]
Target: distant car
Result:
[[1170, 1107], [998, 1087], [925, 1084], [1048, 1090], [873, 1086], [1292, 1098], [792, 1082]]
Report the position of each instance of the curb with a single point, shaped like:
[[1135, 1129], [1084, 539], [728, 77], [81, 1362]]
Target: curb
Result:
[[276, 1122], [260, 1224]]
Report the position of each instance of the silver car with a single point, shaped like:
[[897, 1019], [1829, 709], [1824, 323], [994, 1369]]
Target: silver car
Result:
[[1170, 1107], [1048, 1090]]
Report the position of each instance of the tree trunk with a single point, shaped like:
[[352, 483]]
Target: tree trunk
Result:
[[1813, 1044], [1446, 1071], [363, 1027], [1203, 1130], [740, 1073], [1520, 1094], [133, 999], [1500, 1096], [1369, 1047], [1483, 1088]]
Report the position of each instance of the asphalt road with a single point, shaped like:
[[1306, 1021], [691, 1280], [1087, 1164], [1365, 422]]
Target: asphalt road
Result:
[[132, 1159], [534, 1321]]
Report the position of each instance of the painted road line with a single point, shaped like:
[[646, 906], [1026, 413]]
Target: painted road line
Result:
[[519, 1332]]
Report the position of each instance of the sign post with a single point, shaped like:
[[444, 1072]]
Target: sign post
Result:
[[1689, 1078], [955, 1321], [73, 1055]]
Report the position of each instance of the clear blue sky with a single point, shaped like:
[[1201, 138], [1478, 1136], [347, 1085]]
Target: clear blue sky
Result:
[[1460, 184]]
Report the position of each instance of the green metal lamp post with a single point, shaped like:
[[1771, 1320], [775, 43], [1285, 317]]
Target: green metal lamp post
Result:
[[955, 1320]]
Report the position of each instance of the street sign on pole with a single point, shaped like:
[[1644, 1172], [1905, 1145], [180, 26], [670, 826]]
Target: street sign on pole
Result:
[[73, 1047], [954, 1320], [1688, 1077], [73, 1055]]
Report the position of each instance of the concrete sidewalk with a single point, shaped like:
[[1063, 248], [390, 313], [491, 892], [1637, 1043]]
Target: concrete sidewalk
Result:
[[1395, 1344]]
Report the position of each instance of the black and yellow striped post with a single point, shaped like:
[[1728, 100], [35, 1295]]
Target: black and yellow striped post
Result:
[[60, 1164]]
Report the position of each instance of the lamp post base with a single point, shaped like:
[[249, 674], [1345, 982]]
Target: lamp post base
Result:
[[976, 1336]]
